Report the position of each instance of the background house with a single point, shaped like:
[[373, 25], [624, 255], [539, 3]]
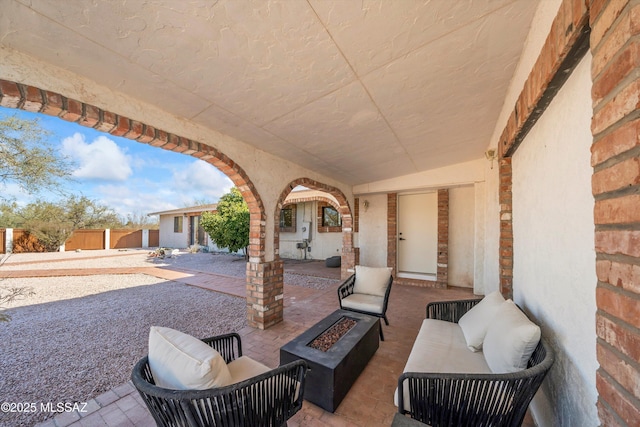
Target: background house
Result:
[[180, 228]]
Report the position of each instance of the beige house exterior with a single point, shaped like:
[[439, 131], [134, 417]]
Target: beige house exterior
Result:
[[180, 228], [546, 210]]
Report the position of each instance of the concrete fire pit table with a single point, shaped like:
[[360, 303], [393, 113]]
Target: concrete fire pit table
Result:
[[332, 372]]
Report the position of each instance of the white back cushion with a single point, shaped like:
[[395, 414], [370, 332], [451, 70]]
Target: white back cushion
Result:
[[371, 280], [179, 361], [475, 322], [510, 340]]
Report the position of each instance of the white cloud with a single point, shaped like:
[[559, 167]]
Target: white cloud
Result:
[[99, 159], [10, 191], [200, 180], [196, 181]]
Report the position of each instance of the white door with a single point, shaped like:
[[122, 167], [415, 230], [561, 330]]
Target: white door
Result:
[[418, 235]]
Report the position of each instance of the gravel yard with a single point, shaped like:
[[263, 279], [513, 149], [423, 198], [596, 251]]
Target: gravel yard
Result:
[[79, 336]]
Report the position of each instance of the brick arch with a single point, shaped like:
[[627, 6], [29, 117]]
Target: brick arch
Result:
[[343, 207], [37, 100], [326, 200]]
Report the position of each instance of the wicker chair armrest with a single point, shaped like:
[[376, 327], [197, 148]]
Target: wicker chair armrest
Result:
[[346, 288], [228, 345], [450, 311], [444, 399]]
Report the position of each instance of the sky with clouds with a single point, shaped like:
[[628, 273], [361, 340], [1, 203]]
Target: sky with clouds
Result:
[[124, 175]]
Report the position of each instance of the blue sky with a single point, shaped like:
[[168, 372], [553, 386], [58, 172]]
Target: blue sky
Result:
[[124, 175]]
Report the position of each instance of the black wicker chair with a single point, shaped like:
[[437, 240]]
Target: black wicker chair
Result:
[[441, 399], [269, 399], [346, 289]]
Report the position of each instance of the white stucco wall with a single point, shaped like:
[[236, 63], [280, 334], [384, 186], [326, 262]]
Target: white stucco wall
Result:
[[170, 239], [268, 181], [461, 236], [468, 253], [323, 245], [538, 33], [554, 257], [372, 237]]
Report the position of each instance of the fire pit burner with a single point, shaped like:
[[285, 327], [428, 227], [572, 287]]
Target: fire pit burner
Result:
[[328, 338]]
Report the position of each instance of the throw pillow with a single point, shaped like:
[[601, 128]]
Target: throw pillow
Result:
[[475, 322], [371, 280], [510, 340], [179, 361]]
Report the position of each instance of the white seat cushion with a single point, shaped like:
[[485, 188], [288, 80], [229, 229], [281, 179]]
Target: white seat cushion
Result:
[[371, 280], [440, 347], [179, 361], [475, 322], [364, 302], [244, 368], [510, 340]]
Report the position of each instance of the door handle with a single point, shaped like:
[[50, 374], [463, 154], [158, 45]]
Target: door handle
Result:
[[402, 238]]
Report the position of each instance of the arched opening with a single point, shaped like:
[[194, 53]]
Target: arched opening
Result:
[[38, 100], [341, 204]]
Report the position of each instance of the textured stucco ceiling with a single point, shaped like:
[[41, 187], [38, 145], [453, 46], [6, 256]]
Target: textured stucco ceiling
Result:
[[358, 90]]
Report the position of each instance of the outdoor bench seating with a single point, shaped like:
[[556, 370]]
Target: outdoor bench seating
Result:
[[237, 391], [482, 370]]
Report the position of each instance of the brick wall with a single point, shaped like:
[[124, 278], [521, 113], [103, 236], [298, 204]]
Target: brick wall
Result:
[[615, 46], [505, 257], [442, 279], [392, 232], [613, 28]]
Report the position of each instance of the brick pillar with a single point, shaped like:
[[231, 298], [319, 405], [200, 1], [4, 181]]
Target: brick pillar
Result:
[[615, 70], [392, 232], [506, 229], [265, 291], [348, 258], [442, 278]]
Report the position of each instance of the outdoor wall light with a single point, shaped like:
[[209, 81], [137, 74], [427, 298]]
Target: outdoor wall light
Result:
[[491, 155], [366, 205]]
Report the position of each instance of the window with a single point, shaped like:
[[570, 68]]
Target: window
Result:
[[331, 217], [288, 219], [177, 224]]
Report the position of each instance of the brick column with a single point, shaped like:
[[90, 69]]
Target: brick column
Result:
[[392, 232], [506, 229], [442, 278], [265, 292], [615, 46], [349, 253]]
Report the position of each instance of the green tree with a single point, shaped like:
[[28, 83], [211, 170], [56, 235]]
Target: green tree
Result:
[[28, 159], [228, 227], [8, 216], [52, 223]]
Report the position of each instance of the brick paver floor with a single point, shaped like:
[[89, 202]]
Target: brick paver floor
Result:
[[368, 403]]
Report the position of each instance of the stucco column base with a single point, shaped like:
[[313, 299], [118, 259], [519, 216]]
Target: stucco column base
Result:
[[265, 292]]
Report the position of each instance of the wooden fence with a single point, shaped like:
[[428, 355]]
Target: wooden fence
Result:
[[85, 239], [94, 239]]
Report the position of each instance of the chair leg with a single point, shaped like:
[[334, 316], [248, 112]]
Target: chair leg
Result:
[[381, 334], [386, 320]]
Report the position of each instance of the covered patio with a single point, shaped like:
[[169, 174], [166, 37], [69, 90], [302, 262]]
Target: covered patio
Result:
[[368, 403], [515, 121]]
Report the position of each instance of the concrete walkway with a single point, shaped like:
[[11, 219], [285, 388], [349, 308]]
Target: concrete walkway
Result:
[[368, 403]]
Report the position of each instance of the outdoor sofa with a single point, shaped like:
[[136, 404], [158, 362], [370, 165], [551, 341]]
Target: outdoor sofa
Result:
[[475, 362]]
